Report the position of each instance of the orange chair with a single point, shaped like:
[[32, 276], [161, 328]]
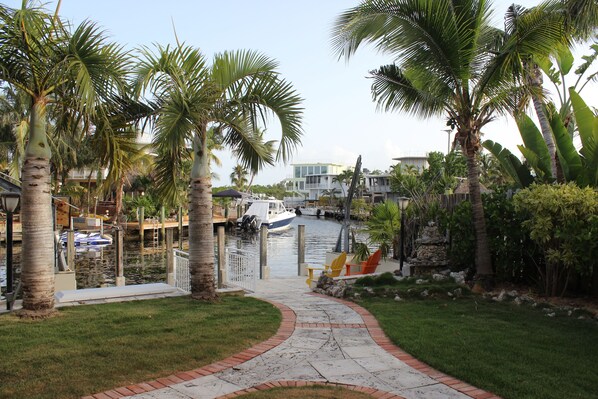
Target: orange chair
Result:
[[368, 266]]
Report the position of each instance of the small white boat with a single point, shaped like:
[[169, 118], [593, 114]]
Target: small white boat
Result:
[[81, 239], [309, 211], [271, 213]]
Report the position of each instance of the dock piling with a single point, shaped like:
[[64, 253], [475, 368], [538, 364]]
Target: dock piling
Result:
[[222, 277], [120, 278], [264, 269], [301, 265]]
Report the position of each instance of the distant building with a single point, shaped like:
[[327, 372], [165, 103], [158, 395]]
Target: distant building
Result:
[[378, 187], [311, 180], [419, 162]]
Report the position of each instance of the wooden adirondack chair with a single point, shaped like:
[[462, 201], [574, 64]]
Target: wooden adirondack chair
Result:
[[333, 270], [368, 266]]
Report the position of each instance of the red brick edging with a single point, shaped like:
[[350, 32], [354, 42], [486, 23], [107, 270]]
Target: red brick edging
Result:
[[375, 393], [384, 342], [286, 329]]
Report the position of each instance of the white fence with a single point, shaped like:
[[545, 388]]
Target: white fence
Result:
[[242, 269]]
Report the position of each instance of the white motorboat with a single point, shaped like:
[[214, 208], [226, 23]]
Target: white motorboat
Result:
[[81, 239], [309, 211], [271, 213]]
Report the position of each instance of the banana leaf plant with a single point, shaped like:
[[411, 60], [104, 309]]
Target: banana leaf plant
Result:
[[580, 166]]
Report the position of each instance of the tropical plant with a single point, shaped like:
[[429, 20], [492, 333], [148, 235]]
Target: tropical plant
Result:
[[384, 227], [344, 179], [238, 177], [14, 128], [448, 60], [40, 56], [580, 167], [563, 221], [233, 94]]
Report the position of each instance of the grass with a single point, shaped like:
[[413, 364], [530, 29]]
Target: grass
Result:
[[89, 349], [517, 352], [313, 392]]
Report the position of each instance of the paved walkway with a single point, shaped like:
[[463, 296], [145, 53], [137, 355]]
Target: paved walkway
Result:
[[321, 341]]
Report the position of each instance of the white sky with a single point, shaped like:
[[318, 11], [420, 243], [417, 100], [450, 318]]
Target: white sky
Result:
[[340, 120]]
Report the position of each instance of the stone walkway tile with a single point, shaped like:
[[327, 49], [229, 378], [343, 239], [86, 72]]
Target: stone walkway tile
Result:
[[380, 363], [167, 393], [434, 391], [364, 351], [404, 378], [332, 368]]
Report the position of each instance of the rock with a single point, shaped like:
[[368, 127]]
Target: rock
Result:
[[458, 292], [398, 272], [517, 301], [357, 295], [369, 290], [512, 294], [501, 297], [581, 318], [438, 277], [424, 294], [458, 277], [337, 291], [398, 298], [551, 314], [420, 281], [400, 278], [450, 294]]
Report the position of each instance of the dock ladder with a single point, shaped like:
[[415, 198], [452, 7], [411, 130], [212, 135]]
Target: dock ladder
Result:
[[156, 229]]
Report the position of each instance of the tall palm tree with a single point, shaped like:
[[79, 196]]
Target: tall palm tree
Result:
[[40, 56], [233, 94], [449, 61], [238, 177]]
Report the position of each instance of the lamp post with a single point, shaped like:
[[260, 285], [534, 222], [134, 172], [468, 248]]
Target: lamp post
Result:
[[448, 145], [403, 203], [10, 202]]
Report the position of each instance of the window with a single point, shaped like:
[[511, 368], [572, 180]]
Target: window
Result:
[[303, 171], [324, 170], [297, 172], [310, 170], [301, 186]]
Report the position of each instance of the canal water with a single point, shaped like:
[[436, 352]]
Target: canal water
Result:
[[147, 263]]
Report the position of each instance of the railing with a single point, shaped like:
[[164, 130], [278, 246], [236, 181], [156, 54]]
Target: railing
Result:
[[242, 268], [182, 277]]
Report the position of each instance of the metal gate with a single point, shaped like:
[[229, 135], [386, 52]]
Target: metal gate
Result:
[[241, 266]]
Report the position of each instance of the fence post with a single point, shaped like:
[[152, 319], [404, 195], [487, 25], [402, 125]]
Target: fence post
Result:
[[141, 217], [181, 228], [222, 273], [163, 222], [264, 269], [301, 265], [70, 249], [169, 258], [120, 279]]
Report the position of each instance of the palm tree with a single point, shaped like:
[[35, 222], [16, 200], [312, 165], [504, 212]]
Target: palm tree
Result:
[[233, 94], [238, 177], [449, 61], [42, 58]]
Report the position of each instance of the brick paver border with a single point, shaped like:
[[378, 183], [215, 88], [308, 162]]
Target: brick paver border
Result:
[[375, 393], [285, 330], [383, 341]]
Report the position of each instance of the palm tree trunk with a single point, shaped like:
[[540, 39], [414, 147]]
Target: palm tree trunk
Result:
[[546, 133], [201, 230], [484, 273], [118, 206], [37, 270]]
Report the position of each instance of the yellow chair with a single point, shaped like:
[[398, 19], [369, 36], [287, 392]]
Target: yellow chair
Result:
[[333, 270]]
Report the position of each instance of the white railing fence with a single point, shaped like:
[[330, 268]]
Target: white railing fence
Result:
[[242, 269]]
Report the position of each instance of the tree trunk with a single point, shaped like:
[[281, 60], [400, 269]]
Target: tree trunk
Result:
[[546, 134], [37, 259], [484, 273], [201, 230], [118, 201], [536, 80]]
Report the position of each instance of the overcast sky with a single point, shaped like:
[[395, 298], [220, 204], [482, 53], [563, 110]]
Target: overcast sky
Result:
[[340, 120]]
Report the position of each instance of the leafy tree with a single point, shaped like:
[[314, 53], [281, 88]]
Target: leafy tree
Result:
[[51, 64], [448, 60], [233, 94], [238, 177], [384, 227]]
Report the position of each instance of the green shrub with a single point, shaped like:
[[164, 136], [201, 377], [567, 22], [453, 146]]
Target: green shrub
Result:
[[563, 221]]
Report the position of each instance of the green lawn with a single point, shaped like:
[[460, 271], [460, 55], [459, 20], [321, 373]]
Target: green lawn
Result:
[[516, 352], [89, 349]]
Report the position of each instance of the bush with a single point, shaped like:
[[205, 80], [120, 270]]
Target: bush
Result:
[[563, 221]]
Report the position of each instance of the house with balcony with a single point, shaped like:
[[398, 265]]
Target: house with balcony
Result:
[[378, 188], [417, 161], [312, 180]]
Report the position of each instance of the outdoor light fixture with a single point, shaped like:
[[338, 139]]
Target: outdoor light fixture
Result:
[[9, 202], [403, 203]]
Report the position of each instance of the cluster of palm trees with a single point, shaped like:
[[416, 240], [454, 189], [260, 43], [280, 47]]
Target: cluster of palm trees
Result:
[[74, 83], [448, 60]]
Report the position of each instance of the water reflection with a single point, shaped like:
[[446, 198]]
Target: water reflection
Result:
[[147, 263]]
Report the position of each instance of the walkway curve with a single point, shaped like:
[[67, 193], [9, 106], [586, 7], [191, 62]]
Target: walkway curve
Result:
[[321, 341]]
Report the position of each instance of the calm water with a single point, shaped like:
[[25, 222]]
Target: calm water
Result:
[[145, 264]]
